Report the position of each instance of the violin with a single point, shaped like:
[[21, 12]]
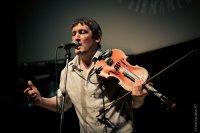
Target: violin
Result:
[[112, 63]]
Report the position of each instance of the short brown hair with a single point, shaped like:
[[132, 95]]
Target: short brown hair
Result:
[[91, 23]]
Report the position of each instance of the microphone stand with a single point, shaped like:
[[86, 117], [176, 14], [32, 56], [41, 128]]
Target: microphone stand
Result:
[[67, 56]]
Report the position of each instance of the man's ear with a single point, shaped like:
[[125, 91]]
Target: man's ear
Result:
[[97, 39]]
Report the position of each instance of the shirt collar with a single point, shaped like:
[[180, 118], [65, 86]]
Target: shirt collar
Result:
[[74, 64], [96, 55]]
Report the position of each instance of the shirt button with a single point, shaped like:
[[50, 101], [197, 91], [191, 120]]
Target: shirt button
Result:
[[92, 95], [98, 123]]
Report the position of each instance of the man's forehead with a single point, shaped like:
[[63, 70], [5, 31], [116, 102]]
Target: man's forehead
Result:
[[80, 26]]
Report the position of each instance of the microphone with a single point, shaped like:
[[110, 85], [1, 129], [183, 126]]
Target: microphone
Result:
[[74, 44]]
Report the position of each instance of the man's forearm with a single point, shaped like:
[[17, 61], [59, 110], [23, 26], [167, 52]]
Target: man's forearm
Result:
[[48, 103]]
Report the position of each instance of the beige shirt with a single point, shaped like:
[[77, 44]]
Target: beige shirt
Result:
[[85, 93]]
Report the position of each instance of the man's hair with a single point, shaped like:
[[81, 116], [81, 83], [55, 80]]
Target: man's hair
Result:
[[91, 23]]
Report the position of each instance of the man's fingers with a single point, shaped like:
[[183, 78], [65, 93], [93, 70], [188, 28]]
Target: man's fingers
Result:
[[26, 90], [30, 83], [29, 88], [33, 95], [144, 91]]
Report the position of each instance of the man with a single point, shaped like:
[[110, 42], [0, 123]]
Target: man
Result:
[[88, 92]]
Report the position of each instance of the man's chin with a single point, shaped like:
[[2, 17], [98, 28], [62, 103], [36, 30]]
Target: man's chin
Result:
[[77, 52]]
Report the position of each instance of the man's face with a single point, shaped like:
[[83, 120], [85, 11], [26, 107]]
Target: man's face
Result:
[[83, 35]]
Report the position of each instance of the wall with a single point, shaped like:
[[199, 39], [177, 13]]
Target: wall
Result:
[[135, 26]]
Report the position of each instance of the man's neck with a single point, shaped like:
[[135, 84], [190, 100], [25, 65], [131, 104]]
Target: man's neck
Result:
[[86, 59]]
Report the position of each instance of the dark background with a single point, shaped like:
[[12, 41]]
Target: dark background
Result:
[[179, 82]]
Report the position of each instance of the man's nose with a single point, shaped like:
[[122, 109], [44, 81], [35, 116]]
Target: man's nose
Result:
[[76, 37]]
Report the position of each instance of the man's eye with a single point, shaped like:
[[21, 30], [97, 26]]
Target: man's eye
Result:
[[82, 32], [73, 33]]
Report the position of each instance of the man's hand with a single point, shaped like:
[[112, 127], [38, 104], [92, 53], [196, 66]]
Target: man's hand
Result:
[[32, 93], [137, 89]]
